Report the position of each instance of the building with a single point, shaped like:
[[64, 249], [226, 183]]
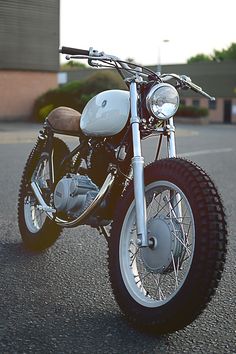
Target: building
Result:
[[29, 63], [29, 60], [217, 79]]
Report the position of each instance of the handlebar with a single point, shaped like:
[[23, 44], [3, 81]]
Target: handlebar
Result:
[[91, 54], [73, 51]]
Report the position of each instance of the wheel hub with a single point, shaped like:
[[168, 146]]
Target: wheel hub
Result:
[[166, 245]]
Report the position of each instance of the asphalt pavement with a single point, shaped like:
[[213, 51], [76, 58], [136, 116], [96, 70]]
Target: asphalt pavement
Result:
[[60, 301]]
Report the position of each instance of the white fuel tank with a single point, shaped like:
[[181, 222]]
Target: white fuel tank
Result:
[[106, 113]]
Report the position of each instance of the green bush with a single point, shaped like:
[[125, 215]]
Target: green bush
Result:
[[191, 111], [76, 94]]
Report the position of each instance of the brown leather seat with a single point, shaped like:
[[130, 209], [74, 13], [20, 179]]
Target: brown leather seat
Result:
[[65, 119]]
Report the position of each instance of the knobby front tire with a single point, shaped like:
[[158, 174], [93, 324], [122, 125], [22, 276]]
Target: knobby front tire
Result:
[[164, 287]]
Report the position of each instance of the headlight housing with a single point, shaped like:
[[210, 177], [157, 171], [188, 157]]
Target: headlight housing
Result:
[[162, 101]]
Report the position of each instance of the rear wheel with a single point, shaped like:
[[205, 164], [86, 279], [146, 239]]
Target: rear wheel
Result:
[[165, 286], [38, 232]]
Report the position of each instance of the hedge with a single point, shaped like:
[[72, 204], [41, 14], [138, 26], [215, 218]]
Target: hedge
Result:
[[76, 93], [191, 111]]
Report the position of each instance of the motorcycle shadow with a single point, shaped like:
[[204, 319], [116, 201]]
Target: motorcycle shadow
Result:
[[47, 311]]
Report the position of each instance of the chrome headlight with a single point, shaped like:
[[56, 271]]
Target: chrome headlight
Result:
[[162, 101]]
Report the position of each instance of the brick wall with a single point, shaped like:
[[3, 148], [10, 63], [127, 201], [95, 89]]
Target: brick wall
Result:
[[19, 89]]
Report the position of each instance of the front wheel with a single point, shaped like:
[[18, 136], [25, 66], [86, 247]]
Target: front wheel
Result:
[[165, 286]]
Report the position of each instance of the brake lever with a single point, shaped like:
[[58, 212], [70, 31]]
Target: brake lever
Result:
[[188, 82]]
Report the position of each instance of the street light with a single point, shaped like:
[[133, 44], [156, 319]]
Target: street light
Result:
[[159, 55]]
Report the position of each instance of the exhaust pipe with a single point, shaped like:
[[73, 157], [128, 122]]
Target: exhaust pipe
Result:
[[50, 211]]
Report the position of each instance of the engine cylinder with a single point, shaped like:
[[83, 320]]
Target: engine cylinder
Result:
[[74, 193]]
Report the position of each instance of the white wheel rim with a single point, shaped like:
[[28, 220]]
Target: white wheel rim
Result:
[[153, 288], [34, 216]]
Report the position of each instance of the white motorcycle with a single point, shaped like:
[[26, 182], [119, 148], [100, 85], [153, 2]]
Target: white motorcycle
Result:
[[164, 223]]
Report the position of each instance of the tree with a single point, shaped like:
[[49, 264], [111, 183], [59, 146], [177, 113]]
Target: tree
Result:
[[73, 65], [199, 58], [218, 55], [225, 54], [130, 60]]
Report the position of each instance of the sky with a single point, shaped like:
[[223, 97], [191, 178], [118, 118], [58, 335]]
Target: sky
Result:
[[138, 29]]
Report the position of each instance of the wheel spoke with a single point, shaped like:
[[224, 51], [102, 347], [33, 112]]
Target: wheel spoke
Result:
[[133, 256], [150, 206], [159, 294], [168, 203], [182, 243], [176, 269], [141, 279], [172, 207]]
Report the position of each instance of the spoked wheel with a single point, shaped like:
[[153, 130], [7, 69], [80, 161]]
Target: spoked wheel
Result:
[[156, 272], [38, 232], [164, 287], [35, 217]]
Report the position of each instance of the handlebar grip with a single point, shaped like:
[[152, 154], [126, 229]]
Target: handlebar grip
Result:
[[73, 51], [198, 89]]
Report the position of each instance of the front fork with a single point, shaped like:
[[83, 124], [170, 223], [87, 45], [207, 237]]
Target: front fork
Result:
[[138, 167], [175, 199], [171, 149], [138, 170]]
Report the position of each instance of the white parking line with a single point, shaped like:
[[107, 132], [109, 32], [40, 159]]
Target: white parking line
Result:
[[205, 152]]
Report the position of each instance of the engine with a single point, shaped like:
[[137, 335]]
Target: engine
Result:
[[73, 194]]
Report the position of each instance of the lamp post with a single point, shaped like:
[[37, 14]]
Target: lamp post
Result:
[[159, 55]]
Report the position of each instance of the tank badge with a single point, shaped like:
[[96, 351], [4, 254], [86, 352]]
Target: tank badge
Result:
[[104, 103]]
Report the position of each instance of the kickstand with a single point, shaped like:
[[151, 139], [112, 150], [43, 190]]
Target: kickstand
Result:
[[103, 231]]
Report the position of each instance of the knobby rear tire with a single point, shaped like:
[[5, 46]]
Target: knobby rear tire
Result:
[[208, 256], [49, 232]]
